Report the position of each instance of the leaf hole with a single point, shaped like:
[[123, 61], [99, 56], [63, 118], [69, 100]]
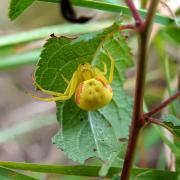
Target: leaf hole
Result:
[[122, 139], [109, 125]]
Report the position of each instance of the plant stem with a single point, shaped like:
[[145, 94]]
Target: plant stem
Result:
[[135, 13], [155, 121], [163, 104], [137, 122], [127, 26]]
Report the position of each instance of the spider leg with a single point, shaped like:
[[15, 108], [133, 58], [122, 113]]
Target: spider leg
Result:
[[65, 79], [105, 68], [46, 91], [58, 98], [111, 67], [68, 92]]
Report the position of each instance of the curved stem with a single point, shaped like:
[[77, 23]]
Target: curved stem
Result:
[[135, 13], [155, 121], [137, 122], [127, 26], [163, 104]]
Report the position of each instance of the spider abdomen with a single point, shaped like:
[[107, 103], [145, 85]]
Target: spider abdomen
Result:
[[93, 94]]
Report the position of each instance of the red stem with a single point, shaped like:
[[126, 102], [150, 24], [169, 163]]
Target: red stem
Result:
[[163, 104], [127, 26], [137, 120], [135, 13], [153, 120], [137, 112]]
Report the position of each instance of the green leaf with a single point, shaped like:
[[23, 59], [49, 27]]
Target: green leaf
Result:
[[17, 60], [115, 177], [177, 144], [150, 174], [89, 171], [110, 7], [169, 143], [17, 7], [44, 32], [8, 174], [85, 134], [173, 124], [171, 33], [116, 8]]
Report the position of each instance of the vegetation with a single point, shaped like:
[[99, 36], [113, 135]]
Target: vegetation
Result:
[[109, 134]]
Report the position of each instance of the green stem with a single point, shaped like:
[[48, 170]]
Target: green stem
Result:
[[8, 174], [17, 60], [65, 29], [89, 171], [168, 79]]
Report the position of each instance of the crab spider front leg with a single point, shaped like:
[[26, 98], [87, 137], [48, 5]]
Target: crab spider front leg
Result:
[[66, 81], [46, 91], [104, 68], [67, 94], [58, 98], [111, 68]]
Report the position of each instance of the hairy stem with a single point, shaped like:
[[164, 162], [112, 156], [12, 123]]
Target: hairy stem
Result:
[[137, 122]]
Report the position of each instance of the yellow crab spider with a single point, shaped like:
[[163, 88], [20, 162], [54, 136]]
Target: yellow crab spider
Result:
[[91, 88]]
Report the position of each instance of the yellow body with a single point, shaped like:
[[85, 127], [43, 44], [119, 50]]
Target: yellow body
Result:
[[93, 94], [91, 88]]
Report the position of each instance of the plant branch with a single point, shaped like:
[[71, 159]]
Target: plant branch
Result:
[[150, 15], [156, 121], [163, 104], [137, 123], [127, 26], [135, 13]]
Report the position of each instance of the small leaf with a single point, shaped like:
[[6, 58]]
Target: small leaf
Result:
[[171, 33], [107, 164], [173, 124], [150, 174], [83, 134], [8, 174], [17, 7], [115, 177]]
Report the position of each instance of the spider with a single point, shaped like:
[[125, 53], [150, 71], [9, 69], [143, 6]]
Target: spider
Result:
[[91, 88]]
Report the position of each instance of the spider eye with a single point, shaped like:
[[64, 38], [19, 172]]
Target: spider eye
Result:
[[83, 64]]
